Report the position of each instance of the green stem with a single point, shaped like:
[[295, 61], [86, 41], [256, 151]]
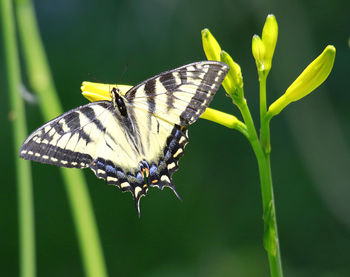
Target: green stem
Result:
[[24, 179], [41, 82], [262, 82], [247, 117], [264, 122], [271, 242]]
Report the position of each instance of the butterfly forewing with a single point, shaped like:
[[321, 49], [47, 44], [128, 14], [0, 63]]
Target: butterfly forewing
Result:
[[181, 95], [78, 137]]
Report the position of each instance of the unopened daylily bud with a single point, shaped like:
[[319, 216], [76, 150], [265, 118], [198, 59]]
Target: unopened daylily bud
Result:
[[258, 50], [234, 73], [97, 91], [312, 77], [225, 119], [269, 39], [211, 47], [233, 82]]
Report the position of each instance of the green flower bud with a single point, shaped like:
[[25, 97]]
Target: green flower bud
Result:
[[211, 47], [233, 82], [269, 39], [312, 77], [234, 73], [258, 50]]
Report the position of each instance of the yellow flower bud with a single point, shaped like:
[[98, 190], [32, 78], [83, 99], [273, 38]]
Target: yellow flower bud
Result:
[[258, 50], [211, 47], [224, 119], [312, 77], [233, 82], [97, 91], [234, 74], [269, 39]]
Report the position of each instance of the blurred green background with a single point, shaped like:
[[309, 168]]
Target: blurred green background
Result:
[[217, 229]]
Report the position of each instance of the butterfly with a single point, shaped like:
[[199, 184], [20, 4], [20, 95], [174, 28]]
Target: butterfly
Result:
[[135, 140]]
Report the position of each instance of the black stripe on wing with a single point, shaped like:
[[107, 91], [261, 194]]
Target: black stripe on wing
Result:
[[193, 86], [161, 174], [45, 144], [205, 92]]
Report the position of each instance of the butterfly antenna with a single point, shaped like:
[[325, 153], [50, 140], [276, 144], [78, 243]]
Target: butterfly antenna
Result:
[[93, 77], [124, 71]]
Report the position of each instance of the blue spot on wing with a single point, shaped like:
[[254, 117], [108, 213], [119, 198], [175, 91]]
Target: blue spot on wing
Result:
[[153, 170], [139, 177], [100, 164], [111, 169], [167, 155], [173, 144], [120, 174]]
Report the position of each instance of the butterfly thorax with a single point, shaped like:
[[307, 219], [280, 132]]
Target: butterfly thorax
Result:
[[118, 101], [126, 119]]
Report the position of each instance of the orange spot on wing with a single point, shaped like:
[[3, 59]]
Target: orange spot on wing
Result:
[[145, 171]]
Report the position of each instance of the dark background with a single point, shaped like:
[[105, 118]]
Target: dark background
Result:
[[217, 229]]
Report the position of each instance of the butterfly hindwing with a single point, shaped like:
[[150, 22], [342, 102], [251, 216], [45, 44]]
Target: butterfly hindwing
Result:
[[135, 142], [162, 144]]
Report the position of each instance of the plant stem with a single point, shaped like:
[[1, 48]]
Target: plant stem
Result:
[[264, 121], [270, 223], [41, 81], [247, 117], [24, 179], [271, 242], [262, 87]]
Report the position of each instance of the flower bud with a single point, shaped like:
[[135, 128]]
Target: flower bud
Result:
[[312, 77], [211, 47], [269, 39], [258, 50], [97, 91], [234, 74], [233, 82]]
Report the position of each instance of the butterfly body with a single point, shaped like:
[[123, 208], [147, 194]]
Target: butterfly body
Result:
[[118, 101], [135, 140]]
